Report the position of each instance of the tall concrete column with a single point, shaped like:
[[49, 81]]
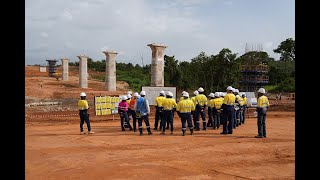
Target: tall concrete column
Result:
[[157, 64], [111, 81], [65, 69], [83, 71]]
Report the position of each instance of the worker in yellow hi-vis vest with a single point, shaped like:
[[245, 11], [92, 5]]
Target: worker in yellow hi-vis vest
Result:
[[244, 108], [263, 105], [228, 111], [210, 113], [83, 112], [184, 109], [193, 113], [216, 110], [159, 109], [169, 106], [241, 103], [201, 103]]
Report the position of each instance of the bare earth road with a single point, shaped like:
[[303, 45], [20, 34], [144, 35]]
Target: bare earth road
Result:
[[55, 150]]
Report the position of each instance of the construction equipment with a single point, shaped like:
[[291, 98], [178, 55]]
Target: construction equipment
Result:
[[57, 75]]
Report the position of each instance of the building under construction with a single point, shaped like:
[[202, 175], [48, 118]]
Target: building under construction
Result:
[[254, 72]]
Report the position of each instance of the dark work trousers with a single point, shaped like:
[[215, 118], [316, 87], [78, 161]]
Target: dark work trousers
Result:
[[201, 112], [134, 119], [210, 114], [146, 121], [167, 117], [261, 122], [228, 119], [158, 116], [234, 118], [244, 113], [124, 118], [84, 117], [240, 115], [216, 118], [186, 117], [194, 116]]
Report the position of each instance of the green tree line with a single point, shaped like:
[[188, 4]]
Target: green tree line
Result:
[[212, 72]]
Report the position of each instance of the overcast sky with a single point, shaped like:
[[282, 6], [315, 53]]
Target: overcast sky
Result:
[[68, 28]]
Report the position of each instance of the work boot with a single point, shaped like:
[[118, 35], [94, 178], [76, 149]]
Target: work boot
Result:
[[123, 129], [149, 133], [171, 132], [90, 132], [163, 133], [82, 132], [191, 132], [155, 128], [183, 133], [141, 134]]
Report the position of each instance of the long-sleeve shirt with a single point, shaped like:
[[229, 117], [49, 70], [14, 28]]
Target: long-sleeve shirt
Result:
[[201, 99], [83, 105], [159, 100], [217, 102], [132, 102], [185, 106], [229, 99], [142, 105], [263, 102], [123, 106], [169, 104], [244, 101]]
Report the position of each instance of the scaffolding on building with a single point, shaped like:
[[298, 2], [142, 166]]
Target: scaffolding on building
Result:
[[254, 72]]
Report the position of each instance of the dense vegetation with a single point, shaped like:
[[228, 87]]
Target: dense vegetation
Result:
[[212, 72]]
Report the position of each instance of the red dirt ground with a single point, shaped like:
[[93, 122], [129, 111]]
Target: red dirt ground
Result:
[[55, 150]]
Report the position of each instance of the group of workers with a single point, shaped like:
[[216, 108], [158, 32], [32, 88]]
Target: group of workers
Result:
[[226, 109]]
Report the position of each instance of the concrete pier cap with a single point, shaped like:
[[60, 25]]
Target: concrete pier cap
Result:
[[83, 71], [111, 81], [157, 64]]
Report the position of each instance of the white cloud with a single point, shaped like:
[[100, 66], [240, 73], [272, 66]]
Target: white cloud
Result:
[[228, 3], [67, 15], [187, 27], [268, 45], [68, 44], [44, 34]]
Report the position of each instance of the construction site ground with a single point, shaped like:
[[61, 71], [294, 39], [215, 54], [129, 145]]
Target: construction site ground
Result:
[[54, 148]]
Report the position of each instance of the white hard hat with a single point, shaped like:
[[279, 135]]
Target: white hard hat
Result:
[[136, 94], [162, 92], [169, 93], [223, 94], [142, 93], [185, 94], [244, 94], [129, 92], [200, 89], [83, 94], [262, 90], [216, 94], [124, 98], [129, 96], [195, 92], [236, 90], [229, 88], [211, 95], [233, 90]]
